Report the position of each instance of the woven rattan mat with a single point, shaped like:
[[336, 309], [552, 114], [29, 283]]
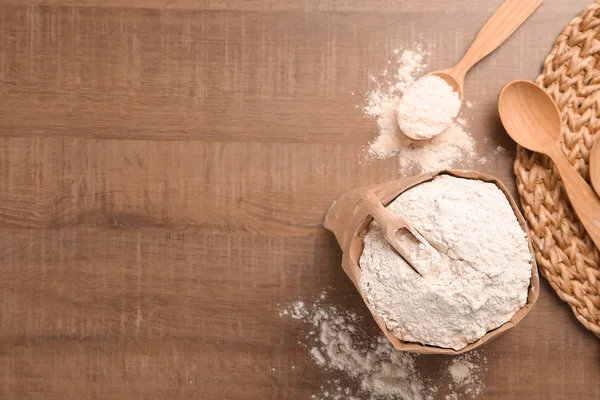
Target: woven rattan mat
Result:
[[565, 254]]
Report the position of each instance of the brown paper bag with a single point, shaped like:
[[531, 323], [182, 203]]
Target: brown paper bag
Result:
[[346, 219]]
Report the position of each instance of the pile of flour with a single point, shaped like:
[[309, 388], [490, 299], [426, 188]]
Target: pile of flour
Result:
[[466, 376], [427, 108], [371, 369], [452, 146], [476, 283]]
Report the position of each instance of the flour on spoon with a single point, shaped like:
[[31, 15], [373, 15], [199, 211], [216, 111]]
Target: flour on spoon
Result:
[[427, 108], [452, 146]]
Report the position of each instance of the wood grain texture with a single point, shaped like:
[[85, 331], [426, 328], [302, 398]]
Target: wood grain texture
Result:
[[165, 167], [380, 6], [500, 26], [183, 185]]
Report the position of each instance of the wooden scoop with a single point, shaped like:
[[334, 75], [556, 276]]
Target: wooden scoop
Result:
[[506, 20], [532, 119], [390, 224], [595, 166]]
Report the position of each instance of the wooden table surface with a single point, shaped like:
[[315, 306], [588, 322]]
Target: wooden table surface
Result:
[[165, 166]]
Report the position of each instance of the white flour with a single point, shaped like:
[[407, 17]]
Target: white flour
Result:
[[450, 147], [376, 370], [466, 378], [441, 152], [484, 270], [372, 369], [460, 371], [499, 151], [427, 108]]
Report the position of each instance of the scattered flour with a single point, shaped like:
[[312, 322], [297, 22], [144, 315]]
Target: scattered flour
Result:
[[477, 282], [317, 356], [460, 371], [299, 311], [440, 152], [450, 147], [427, 108], [371, 368], [499, 151], [465, 371]]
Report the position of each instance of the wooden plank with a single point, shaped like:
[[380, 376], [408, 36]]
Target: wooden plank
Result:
[[201, 186], [359, 6], [238, 76], [88, 284], [127, 369], [191, 368], [262, 5], [141, 314], [209, 82]]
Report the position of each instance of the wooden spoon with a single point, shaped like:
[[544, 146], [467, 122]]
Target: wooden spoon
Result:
[[595, 166], [532, 119], [506, 20], [390, 224]]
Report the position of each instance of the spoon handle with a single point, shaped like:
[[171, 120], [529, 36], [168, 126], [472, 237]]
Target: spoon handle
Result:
[[595, 166], [583, 199], [506, 20], [381, 214], [389, 223]]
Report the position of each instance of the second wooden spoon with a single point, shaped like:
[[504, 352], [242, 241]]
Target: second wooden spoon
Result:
[[595, 166], [532, 119]]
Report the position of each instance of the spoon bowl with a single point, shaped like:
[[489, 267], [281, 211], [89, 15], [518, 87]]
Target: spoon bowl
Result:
[[509, 16], [529, 115], [595, 166], [532, 119], [455, 81]]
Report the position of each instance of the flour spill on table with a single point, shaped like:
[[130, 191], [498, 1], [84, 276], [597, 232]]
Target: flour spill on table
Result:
[[368, 366], [466, 375], [498, 152], [454, 145]]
